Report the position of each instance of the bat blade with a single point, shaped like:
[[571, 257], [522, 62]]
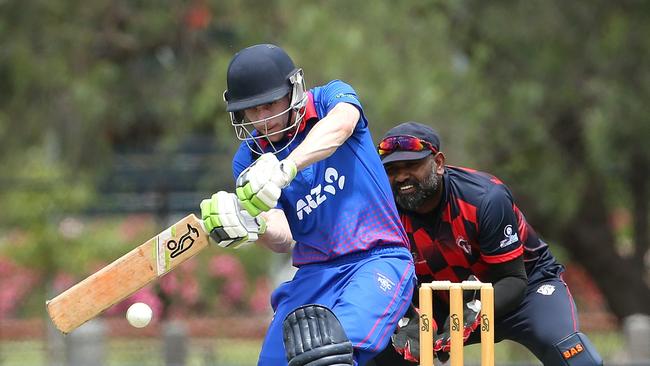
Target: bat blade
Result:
[[127, 274]]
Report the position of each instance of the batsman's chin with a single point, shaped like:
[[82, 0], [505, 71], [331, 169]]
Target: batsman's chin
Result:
[[274, 133]]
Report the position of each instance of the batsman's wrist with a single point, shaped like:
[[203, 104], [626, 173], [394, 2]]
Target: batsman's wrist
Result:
[[289, 168]]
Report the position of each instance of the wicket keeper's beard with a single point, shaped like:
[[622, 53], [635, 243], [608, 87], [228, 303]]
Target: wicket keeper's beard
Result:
[[423, 191]]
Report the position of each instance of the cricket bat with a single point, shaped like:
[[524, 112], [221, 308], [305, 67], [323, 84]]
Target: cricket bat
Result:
[[127, 274]]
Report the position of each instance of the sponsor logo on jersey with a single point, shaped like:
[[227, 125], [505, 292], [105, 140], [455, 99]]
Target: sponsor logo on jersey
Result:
[[464, 245], [318, 195], [511, 236], [546, 290]]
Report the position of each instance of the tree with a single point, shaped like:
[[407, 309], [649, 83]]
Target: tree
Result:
[[567, 122], [549, 95]]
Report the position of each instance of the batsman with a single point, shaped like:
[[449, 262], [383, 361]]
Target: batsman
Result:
[[308, 180]]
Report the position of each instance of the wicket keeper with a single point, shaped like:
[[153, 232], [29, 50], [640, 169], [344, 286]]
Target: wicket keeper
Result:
[[462, 223]]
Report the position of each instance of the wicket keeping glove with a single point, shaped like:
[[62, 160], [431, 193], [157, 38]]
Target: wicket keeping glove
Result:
[[406, 339], [259, 186], [228, 223], [471, 321]]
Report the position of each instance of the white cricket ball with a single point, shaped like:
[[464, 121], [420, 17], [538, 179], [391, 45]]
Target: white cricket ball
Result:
[[139, 315]]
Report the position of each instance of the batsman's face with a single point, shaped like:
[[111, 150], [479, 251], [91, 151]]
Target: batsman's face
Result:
[[269, 119], [416, 184]]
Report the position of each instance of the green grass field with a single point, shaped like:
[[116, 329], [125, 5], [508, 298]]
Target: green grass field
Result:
[[139, 352], [244, 352]]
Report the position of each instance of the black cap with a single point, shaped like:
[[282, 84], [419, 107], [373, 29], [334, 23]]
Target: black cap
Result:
[[258, 75], [415, 129]]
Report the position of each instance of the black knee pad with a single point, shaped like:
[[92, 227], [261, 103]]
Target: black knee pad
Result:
[[313, 335], [574, 350]]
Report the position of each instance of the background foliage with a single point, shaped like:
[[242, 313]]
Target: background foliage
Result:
[[550, 96]]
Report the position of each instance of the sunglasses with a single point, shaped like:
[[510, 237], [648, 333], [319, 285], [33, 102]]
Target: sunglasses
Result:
[[403, 143]]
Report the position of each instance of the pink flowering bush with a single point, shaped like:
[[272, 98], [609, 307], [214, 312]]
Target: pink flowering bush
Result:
[[583, 288], [180, 290], [259, 301], [229, 282], [146, 295], [215, 282], [225, 266], [203, 286], [16, 283]]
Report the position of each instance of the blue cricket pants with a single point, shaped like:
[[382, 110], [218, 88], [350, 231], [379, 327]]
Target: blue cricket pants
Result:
[[368, 292]]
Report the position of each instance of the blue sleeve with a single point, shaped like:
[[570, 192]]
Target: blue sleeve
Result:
[[242, 159], [498, 230], [337, 91]]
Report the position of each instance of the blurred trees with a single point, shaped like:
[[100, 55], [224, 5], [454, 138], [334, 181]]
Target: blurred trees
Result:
[[548, 95], [566, 86]]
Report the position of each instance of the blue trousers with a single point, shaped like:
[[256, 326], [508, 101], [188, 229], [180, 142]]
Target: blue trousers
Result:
[[368, 292]]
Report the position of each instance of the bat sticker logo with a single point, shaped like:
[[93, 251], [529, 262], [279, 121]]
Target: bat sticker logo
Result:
[[186, 241]]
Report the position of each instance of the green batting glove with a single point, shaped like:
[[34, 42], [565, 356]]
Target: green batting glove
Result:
[[228, 223], [259, 186]]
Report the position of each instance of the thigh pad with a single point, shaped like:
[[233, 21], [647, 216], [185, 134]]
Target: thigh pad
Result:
[[313, 335]]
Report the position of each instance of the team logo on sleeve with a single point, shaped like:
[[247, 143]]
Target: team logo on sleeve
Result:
[[345, 95], [333, 183], [511, 236]]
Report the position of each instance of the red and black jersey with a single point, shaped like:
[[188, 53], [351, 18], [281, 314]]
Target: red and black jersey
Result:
[[476, 224]]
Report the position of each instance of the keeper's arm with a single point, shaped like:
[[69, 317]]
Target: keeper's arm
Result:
[[326, 136], [509, 280]]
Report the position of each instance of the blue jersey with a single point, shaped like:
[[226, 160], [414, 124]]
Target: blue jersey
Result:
[[342, 204]]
